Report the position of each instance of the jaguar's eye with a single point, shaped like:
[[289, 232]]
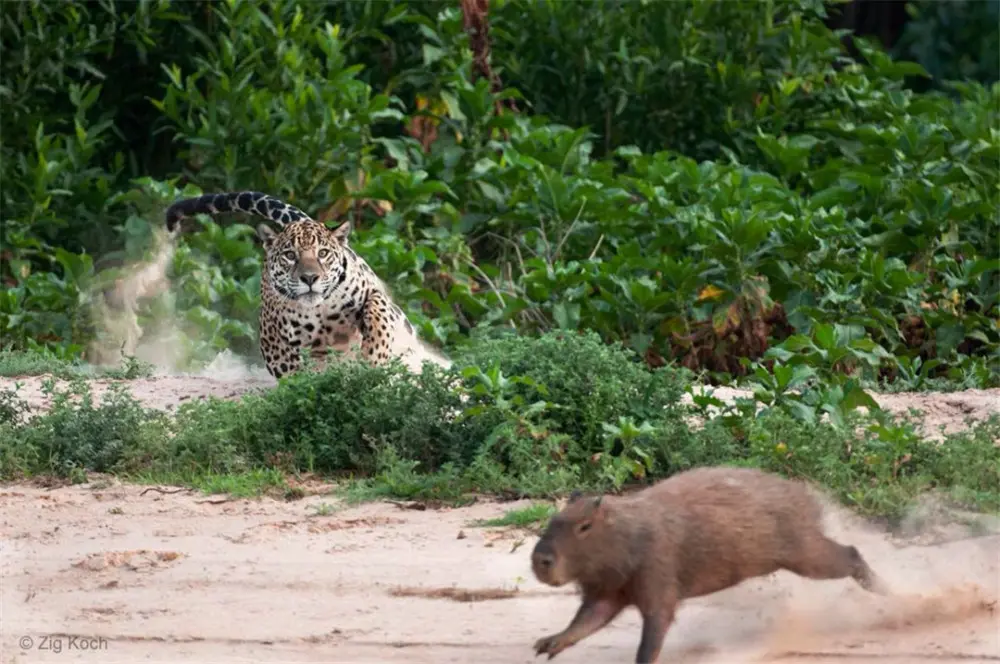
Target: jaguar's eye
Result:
[[289, 255], [323, 253]]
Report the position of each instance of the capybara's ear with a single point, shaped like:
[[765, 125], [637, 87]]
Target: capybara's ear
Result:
[[592, 507], [574, 496]]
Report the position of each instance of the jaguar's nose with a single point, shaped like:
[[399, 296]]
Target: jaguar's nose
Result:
[[308, 279]]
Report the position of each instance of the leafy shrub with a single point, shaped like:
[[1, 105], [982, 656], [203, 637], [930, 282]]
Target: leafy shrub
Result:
[[345, 418], [545, 428], [882, 464], [78, 435]]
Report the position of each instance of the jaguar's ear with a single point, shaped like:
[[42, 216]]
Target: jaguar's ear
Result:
[[266, 235], [342, 232]]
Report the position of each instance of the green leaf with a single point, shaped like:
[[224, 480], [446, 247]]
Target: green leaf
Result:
[[491, 193], [801, 411], [454, 107], [566, 315], [431, 54], [825, 335], [797, 342], [855, 397], [948, 337]]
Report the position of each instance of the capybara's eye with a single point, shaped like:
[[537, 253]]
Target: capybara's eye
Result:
[[583, 527]]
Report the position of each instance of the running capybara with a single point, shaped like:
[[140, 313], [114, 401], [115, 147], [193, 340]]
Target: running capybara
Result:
[[696, 533]]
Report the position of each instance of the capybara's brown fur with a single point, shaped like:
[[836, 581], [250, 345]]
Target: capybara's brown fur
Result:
[[698, 532]]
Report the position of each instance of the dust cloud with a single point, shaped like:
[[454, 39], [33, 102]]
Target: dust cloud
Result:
[[162, 344], [115, 313], [936, 582]]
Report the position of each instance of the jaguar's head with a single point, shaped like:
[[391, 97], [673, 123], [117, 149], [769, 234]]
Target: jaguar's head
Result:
[[305, 261]]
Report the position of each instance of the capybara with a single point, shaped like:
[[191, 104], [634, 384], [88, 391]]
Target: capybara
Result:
[[696, 533]]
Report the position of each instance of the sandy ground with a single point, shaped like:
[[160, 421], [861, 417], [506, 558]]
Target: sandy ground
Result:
[[112, 573], [941, 412]]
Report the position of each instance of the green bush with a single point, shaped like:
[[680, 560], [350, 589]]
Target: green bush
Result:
[[78, 434], [527, 401], [881, 467], [571, 413]]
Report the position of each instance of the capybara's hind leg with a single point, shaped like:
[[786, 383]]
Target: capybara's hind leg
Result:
[[822, 558], [865, 575]]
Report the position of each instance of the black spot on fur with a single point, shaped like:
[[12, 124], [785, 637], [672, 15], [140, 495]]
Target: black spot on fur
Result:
[[245, 201], [309, 327], [221, 203]]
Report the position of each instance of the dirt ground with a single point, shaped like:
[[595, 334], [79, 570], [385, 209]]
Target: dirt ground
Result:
[[143, 575], [117, 573]]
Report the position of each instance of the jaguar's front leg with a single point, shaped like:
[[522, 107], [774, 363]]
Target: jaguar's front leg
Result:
[[376, 329]]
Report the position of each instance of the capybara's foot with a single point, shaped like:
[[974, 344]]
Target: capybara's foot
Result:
[[866, 576], [872, 582], [551, 645]]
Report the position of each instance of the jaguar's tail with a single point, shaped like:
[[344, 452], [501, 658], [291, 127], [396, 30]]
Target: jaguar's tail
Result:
[[251, 202]]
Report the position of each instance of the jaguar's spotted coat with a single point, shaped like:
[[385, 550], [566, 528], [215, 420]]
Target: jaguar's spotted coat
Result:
[[316, 292]]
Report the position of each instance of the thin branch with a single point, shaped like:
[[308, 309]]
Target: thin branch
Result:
[[570, 229], [489, 281], [596, 247]]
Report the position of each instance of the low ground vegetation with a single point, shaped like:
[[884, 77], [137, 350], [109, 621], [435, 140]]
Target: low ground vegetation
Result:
[[544, 416]]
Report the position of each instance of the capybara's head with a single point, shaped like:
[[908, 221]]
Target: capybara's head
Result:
[[559, 554]]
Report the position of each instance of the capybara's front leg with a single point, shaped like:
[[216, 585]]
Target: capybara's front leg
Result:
[[655, 623], [593, 614]]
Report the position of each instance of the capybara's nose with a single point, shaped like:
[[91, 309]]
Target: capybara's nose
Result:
[[544, 561]]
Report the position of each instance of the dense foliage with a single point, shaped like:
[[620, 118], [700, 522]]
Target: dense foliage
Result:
[[712, 183]]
